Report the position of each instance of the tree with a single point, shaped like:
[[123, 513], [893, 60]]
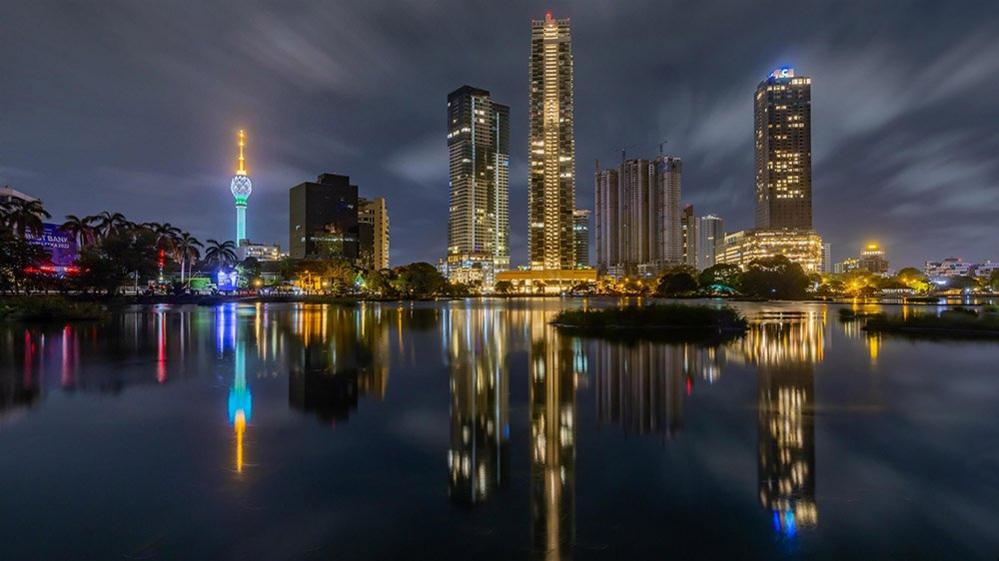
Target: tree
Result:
[[80, 228], [108, 264], [23, 217], [220, 254], [721, 275], [108, 223], [503, 287], [186, 251], [419, 280], [774, 277], [994, 280], [676, 282], [378, 282], [18, 259]]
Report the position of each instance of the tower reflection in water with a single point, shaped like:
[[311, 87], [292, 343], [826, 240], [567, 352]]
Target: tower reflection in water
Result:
[[785, 350], [552, 373], [240, 403], [475, 341]]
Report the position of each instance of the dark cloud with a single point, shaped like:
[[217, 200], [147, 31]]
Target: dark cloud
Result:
[[133, 106]]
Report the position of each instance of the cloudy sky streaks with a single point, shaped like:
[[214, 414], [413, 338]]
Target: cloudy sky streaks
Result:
[[133, 106]]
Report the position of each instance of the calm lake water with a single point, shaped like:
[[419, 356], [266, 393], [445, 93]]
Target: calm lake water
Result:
[[473, 429]]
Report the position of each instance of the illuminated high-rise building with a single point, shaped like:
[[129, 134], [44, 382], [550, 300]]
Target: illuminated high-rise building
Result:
[[241, 187], [710, 240], [581, 232], [606, 222], [783, 139], [479, 158], [688, 228], [552, 175], [373, 233]]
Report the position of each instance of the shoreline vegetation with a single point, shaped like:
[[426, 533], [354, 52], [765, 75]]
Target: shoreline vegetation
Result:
[[50, 308], [680, 321], [955, 323]]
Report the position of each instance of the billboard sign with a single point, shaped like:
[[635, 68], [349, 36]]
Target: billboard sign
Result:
[[60, 244]]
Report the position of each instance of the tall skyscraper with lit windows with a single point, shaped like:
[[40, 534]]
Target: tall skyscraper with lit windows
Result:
[[241, 187], [783, 138], [479, 158], [552, 181]]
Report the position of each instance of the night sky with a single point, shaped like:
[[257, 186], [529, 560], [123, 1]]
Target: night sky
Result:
[[133, 106]]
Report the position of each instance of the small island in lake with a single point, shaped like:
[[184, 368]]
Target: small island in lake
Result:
[[954, 323], [655, 319]]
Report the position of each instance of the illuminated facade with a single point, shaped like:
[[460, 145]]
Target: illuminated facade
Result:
[[241, 188], [638, 221], [581, 237], [783, 140], [688, 228], [323, 221], [872, 259], [547, 282], [710, 240], [478, 161], [260, 252], [803, 247], [373, 233], [552, 150]]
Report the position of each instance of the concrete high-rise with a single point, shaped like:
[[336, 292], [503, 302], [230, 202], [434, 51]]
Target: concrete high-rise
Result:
[[710, 240], [323, 219], [783, 139], [688, 228], [638, 223], [581, 236], [373, 232], [552, 150], [478, 151]]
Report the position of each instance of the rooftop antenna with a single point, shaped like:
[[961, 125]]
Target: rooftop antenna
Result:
[[661, 146]]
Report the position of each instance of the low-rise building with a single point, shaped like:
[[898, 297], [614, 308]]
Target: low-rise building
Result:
[[259, 251], [949, 267], [800, 246], [555, 281]]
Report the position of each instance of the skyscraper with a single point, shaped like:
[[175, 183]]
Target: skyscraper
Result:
[[373, 232], [688, 227], [581, 234], [323, 221], [241, 187], [783, 137], [478, 219], [710, 239], [551, 185], [638, 222]]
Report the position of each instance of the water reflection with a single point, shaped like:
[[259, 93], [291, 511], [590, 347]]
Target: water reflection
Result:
[[552, 401], [240, 403], [480, 397]]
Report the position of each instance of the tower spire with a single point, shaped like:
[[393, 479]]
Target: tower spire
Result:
[[241, 170]]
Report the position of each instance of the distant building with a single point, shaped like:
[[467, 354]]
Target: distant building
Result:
[[260, 252], [949, 267], [800, 246], [373, 233], [638, 223], [8, 194], [552, 174], [241, 187], [848, 265], [323, 219], [783, 139], [478, 142], [827, 266], [581, 232], [985, 270], [710, 240], [872, 259], [688, 227]]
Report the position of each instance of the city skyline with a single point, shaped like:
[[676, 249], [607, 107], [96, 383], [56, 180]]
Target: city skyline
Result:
[[920, 183]]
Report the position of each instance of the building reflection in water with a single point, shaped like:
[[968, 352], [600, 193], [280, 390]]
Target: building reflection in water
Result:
[[552, 396], [475, 341], [338, 354], [785, 350]]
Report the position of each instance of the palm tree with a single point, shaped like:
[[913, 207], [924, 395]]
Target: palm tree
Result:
[[185, 250], [222, 254], [25, 216], [79, 228], [166, 235], [108, 223]]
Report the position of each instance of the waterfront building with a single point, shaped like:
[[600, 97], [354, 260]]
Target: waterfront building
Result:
[[581, 234], [373, 233], [783, 141], [800, 246], [710, 239], [478, 131], [688, 227], [872, 259], [638, 220], [241, 187], [259, 251], [552, 147], [527, 281], [949, 267], [323, 219]]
